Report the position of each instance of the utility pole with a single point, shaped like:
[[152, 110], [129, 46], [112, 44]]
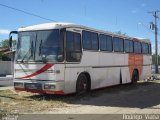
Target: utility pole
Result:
[[154, 27]]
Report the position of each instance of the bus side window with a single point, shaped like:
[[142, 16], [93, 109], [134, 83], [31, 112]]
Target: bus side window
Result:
[[137, 47], [105, 42], [150, 49], [90, 40], [118, 44], [145, 48], [131, 46], [128, 46], [73, 47]]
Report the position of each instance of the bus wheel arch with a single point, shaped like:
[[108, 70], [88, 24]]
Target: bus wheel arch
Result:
[[135, 76], [83, 83]]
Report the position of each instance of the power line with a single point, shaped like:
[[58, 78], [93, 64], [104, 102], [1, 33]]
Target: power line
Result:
[[147, 27], [154, 13], [28, 13]]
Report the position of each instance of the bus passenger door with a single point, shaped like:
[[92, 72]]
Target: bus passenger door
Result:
[[73, 54]]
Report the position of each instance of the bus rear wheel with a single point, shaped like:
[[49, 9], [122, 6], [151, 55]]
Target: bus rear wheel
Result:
[[135, 76], [82, 84]]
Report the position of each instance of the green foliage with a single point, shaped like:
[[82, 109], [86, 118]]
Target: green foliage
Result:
[[4, 57], [5, 43], [120, 33]]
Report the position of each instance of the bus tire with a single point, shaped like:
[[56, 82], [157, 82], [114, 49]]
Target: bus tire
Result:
[[82, 84], [135, 76]]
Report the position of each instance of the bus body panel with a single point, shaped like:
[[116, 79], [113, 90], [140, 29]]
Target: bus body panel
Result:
[[39, 71], [106, 68], [71, 75], [146, 72], [40, 74]]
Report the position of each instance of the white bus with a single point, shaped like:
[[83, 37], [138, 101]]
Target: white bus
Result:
[[64, 58]]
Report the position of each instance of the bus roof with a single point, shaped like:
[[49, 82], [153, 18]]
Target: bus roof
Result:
[[47, 26], [59, 25]]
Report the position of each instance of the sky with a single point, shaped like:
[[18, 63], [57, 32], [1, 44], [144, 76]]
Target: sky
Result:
[[128, 16]]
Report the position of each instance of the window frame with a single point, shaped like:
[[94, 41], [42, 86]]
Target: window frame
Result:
[[140, 43], [119, 38], [74, 45], [129, 42], [145, 45], [150, 49], [91, 48], [106, 36]]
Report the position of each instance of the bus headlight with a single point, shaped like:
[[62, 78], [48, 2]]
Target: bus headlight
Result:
[[49, 86]]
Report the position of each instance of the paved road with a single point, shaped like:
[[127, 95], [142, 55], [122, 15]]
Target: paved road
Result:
[[68, 117]]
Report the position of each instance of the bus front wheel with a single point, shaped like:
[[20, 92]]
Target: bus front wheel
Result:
[[82, 84]]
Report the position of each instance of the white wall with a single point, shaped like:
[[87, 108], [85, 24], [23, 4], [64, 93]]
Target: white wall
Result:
[[6, 67]]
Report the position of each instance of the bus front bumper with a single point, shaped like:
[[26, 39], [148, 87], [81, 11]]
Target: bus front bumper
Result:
[[60, 92], [40, 87]]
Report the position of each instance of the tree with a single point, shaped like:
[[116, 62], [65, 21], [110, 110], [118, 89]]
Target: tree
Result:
[[5, 43], [120, 33]]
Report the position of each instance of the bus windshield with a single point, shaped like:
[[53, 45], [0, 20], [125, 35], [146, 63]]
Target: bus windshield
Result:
[[40, 46]]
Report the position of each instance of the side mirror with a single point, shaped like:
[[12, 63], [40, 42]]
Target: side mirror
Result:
[[10, 38], [10, 42]]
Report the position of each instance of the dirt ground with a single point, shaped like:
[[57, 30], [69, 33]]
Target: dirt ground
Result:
[[143, 97]]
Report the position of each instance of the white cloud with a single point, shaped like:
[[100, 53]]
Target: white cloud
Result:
[[4, 31]]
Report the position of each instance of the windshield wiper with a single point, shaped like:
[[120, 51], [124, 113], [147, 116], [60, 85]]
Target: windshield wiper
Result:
[[44, 60], [30, 49], [40, 48]]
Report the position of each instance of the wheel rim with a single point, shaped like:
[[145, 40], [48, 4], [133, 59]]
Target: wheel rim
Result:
[[82, 86], [135, 76]]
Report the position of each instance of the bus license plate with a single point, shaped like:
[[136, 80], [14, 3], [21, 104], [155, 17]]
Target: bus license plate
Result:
[[33, 86]]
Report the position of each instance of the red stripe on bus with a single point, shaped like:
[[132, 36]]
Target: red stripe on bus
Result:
[[43, 69], [60, 92], [135, 61]]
